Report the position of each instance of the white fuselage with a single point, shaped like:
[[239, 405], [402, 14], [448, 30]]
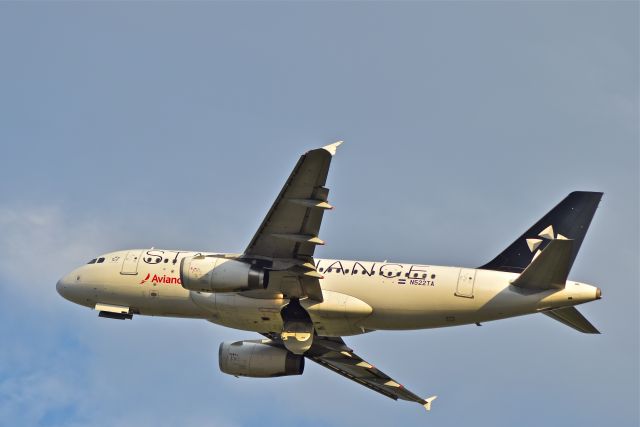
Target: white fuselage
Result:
[[359, 296]]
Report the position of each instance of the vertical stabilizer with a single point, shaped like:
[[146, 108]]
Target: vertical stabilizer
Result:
[[569, 220]]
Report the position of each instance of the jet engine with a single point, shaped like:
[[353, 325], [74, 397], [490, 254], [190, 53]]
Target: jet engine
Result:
[[212, 274], [258, 359]]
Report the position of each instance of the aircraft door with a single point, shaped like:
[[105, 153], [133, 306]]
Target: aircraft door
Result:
[[466, 280], [130, 262]]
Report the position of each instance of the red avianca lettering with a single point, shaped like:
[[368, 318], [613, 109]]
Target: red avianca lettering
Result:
[[162, 279]]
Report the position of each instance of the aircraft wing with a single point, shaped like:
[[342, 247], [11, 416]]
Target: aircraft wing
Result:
[[334, 354], [288, 235]]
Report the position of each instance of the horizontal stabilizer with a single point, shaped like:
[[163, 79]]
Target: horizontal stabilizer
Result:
[[550, 269], [570, 316]]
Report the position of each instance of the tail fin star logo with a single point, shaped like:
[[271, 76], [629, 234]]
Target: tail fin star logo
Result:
[[145, 279], [546, 234], [533, 244]]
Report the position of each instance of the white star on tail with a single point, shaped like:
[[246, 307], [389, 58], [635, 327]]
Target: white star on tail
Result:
[[547, 233], [533, 244]]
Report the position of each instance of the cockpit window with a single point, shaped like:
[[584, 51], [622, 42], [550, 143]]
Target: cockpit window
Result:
[[100, 260], [93, 261]]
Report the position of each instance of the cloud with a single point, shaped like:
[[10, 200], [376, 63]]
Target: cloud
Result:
[[33, 396]]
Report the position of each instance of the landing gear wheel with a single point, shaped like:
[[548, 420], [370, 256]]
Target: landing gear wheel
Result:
[[297, 335]]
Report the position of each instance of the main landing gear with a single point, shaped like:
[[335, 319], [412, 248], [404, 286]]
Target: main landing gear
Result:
[[297, 335]]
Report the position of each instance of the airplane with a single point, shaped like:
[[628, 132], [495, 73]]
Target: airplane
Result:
[[303, 305]]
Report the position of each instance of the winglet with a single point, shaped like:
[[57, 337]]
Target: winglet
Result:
[[428, 401], [331, 148]]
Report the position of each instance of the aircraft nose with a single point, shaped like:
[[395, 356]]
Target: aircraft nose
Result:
[[60, 287], [63, 285]]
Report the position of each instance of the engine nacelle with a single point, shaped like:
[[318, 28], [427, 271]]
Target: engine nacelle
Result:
[[211, 274], [257, 359]]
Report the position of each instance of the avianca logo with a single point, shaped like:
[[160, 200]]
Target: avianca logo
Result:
[[161, 279]]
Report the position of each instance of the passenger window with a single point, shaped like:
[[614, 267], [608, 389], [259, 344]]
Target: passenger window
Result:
[[166, 260], [93, 261], [100, 260], [433, 276], [328, 270], [346, 271], [321, 269], [355, 271]]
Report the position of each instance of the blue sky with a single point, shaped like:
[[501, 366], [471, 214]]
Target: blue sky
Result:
[[175, 125]]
